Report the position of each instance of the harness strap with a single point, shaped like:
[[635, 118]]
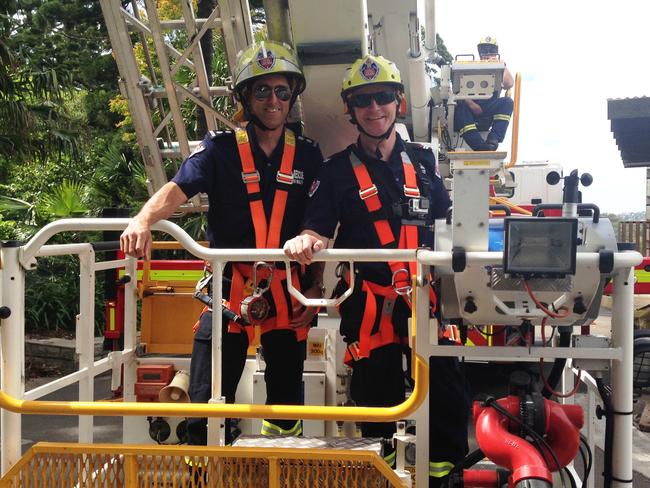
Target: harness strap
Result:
[[386, 334], [408, 238], [368, 321], [370, 195], [284, 178], [267, 234], [251, 178], [237, 293]]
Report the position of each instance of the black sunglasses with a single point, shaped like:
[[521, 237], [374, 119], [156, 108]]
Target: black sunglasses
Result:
[[365, 99], [262, 92]]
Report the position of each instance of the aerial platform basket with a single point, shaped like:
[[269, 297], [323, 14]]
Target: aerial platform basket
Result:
[[112, 465]]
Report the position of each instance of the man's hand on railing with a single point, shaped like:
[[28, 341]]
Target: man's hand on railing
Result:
[[136, 239], [302, 247]]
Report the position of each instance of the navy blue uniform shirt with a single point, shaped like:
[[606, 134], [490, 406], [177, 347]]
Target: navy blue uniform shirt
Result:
[[215, 168], [336, 199]]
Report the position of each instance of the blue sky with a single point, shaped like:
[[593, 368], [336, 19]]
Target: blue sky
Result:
[[573, 55]]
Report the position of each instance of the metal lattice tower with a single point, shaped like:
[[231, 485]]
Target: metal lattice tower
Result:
[[154, 94]]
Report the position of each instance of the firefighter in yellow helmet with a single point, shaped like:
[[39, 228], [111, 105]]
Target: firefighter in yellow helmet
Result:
[[493, 115], [264, 59], [257, 180], [373, 74], [383, 192]]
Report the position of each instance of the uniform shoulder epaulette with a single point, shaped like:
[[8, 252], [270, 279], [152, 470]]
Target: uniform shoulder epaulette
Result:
[[308, 140], [215, 134]]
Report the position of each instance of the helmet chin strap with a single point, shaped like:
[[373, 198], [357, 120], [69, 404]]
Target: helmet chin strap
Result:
[[254, 118], [380, 138]]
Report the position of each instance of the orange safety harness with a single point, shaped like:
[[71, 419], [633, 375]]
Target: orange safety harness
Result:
[[401, 272], [267, 235]]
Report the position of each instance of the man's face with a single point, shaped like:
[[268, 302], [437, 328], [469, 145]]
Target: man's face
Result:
[[488, 52], [265, 103], [376, 117]]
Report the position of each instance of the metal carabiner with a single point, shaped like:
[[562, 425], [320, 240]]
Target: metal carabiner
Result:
[[404, 291], [256, 287]]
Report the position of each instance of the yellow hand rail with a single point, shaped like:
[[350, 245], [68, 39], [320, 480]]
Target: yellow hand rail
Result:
[[517, 208], [307, 412], [515, 123]]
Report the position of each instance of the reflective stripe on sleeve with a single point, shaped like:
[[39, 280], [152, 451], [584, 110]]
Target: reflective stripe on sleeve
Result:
[[269, 428], [440, 469]]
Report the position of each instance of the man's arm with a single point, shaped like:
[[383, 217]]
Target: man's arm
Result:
[[302, 247], [508, 81], [136, 238], [474, 107]]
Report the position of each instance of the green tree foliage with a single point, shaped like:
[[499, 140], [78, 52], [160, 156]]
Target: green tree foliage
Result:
[[60, 147]]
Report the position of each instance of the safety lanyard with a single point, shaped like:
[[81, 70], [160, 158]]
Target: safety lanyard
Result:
[[408, 238], [267, 235]]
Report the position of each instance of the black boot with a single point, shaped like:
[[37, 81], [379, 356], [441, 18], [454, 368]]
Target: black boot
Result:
[[491, 143]]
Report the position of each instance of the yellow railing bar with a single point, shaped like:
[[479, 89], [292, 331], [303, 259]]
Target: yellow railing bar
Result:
[[307, 412], [132, 451], [504, 201], [173, 245], [515, 123], [414, 317]]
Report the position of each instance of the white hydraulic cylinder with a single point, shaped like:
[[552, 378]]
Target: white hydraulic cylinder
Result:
[[622, 375], [429, 26], [419, 85]]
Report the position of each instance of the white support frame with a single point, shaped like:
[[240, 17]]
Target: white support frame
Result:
[[18, 259]]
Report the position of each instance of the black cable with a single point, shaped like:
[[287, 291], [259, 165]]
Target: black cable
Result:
[[571, 478], [548, 341], [559, 363], [493, 403], [606, 396], [584, 464], [583, 440]]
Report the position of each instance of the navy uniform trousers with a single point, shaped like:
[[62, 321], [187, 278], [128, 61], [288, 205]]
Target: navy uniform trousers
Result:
[[495, 118], [283, 354]]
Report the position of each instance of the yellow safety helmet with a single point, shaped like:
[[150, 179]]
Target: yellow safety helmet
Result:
[[487, 46], [370, 70], [266, 58]]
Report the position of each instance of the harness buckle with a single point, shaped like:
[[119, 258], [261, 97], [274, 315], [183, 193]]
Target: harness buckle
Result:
[[366, 193], [253, 177], [403, 290], [354, 350], [285, 178], [411, 192]]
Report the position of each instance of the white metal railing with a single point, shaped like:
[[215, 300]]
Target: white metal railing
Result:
[[16, 260]]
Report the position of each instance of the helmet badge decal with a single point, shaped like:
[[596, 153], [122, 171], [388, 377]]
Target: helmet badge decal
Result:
[[265, 58], [369, 70]]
